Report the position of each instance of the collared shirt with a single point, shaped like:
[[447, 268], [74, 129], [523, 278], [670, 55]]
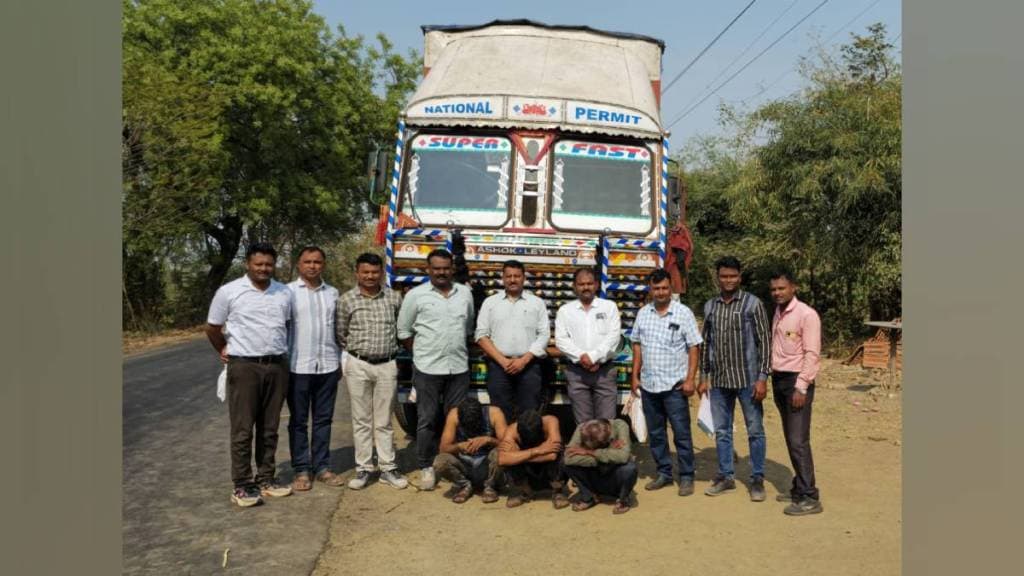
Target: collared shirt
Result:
[[737, 349], [594, 332], [664, 342], [796, 342], [441, 326], [312, 348], [515, 326], [366, 325], [256, 320]]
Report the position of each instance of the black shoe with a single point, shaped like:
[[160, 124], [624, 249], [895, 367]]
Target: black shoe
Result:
[[685, 485], [720, 485], [757, 493], [658, 483], [803, 507]]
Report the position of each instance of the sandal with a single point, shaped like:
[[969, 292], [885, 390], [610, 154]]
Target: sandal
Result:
[[302, 483], [490, 495], [559, 500], [620, 507], [329, 478], [581, 505], [463, 494]]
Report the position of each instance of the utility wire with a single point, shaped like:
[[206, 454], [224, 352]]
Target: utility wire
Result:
[[741, 54], [833, 35], [745, 66], [706, 48]]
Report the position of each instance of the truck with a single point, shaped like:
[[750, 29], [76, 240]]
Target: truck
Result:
[[540, 143]]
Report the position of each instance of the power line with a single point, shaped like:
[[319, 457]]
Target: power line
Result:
[[833, 35], [741, 54], [706, 48], [851, 21], [745, 66]]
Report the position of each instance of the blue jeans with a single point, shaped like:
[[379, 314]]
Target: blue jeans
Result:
[[723, 404], [674, 407], [311, 393]]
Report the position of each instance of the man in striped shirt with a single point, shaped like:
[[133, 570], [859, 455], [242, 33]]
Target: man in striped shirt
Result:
[[736, 359], [366, 328], [314, 371]]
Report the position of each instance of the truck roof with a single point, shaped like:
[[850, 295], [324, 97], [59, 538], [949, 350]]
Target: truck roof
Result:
[[525, 74]]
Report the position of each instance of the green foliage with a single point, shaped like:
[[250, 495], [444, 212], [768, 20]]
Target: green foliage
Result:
[[245, 120], [813, 182]]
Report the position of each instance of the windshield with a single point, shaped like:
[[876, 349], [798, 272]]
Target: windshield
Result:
[[597, 186], [458, 179]]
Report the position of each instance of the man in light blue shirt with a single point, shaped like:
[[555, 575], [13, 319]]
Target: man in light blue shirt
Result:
[[513, 330], [435, 323], [665, 356]]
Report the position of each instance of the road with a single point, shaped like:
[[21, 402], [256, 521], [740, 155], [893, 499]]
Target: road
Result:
[[177, 517]]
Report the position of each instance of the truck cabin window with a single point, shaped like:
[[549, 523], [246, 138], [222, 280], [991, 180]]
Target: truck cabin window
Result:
[[601, 185], [459, 179]]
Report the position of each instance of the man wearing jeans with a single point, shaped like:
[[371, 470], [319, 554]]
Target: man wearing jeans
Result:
[[435, 323], [313, 382], [365, 327], [255, 308], [796, 350], [665, 343], [513, 330], [736, 359]]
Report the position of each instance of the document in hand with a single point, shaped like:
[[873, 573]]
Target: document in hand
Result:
[[704, 421]]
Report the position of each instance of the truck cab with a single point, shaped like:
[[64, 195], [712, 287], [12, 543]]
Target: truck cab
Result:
[[539, 143]]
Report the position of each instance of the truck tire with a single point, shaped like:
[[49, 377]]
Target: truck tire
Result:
[[406, 415]]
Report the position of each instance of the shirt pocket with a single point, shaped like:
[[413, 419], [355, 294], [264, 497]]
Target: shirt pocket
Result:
[[790, 342]]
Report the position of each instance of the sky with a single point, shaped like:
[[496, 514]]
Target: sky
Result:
[[686, 27]]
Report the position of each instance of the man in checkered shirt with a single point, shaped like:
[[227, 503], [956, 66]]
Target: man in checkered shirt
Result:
[[665, 356]]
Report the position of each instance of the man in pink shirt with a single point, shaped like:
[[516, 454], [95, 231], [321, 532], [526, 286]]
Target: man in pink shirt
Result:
[[796, 349]]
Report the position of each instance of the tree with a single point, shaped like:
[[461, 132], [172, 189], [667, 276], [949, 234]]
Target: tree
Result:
[[814, 181], [247, 119]]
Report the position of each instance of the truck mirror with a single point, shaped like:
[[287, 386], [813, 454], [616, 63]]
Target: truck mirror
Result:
[[674, 198], [379, 174]]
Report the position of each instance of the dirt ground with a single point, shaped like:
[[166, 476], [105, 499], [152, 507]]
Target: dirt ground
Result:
[[856, 441]]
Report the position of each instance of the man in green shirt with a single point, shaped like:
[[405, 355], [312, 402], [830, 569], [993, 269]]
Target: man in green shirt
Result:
[[598, 461], [435, 323]]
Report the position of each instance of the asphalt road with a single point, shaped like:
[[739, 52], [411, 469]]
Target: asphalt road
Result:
[[177, 516]]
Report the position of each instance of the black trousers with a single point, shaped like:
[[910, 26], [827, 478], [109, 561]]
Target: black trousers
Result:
[[796, 426], [256, 393], [514, 393], [536, 476], [615, 480], [431, 391]]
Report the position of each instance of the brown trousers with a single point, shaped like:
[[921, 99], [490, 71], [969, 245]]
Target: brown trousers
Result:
[[256, 393]]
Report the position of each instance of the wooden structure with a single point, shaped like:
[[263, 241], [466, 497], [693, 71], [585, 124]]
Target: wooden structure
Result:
[[884, 350]]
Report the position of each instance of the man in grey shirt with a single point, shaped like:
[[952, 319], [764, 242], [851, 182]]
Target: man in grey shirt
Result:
[[513, 330], [435, 323]]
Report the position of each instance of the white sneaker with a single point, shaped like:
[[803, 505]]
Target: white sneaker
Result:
[[360, 480], [427, 479], [394, 479]]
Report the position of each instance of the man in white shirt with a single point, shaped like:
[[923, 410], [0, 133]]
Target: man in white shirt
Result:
[[256, 309], [314, 372], [587, 332]]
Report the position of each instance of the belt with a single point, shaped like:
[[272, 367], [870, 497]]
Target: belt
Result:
[[373, 360], [272, 359]]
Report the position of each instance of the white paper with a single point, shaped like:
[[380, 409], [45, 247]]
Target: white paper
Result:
[[704, 421], [222, 384], [635, 408]]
